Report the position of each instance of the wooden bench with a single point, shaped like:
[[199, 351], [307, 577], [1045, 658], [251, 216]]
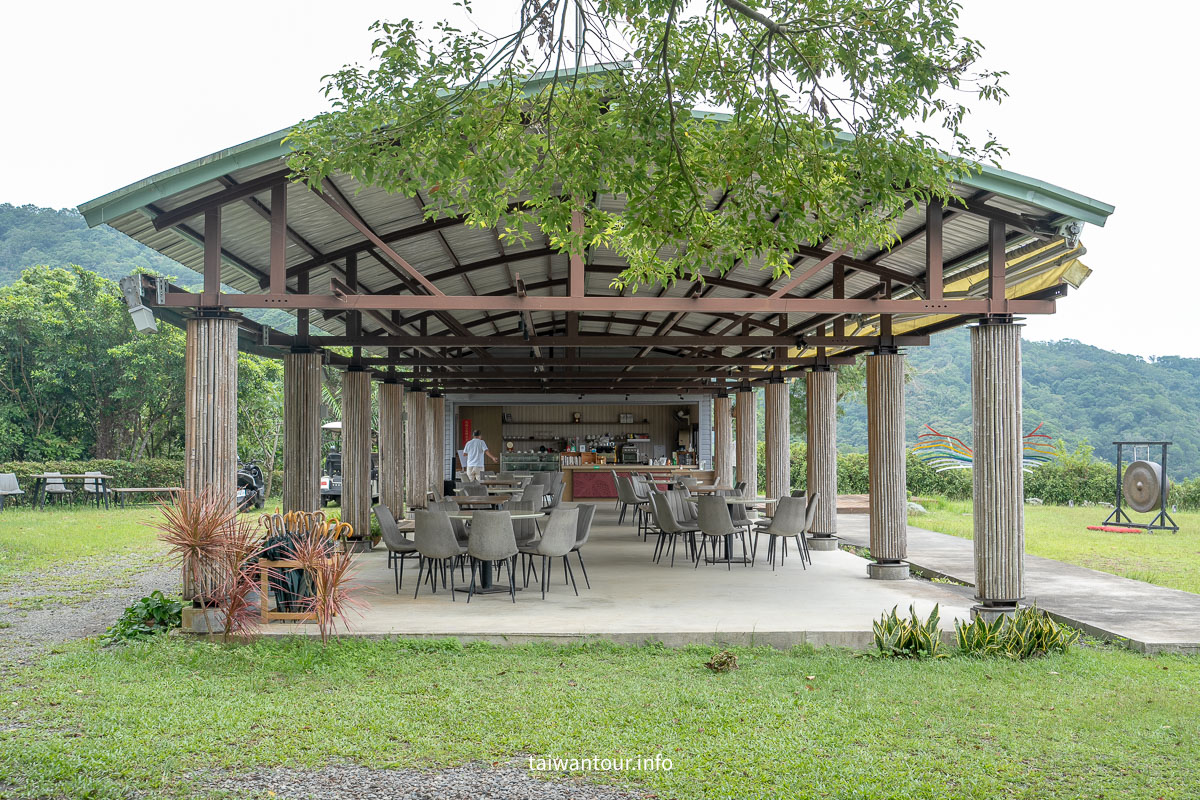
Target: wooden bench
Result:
[[121, 494]]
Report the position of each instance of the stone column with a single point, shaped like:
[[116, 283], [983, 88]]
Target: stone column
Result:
[[435, 419], [356, 449], [778, 461], [723, 459], [885, 448], [746, 420], [416, 446], [821, 467], [210, 417], [998, 483], [391, 445], [302, 375]]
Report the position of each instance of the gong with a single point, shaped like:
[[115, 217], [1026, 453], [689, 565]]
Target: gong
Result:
[[1142, 485]]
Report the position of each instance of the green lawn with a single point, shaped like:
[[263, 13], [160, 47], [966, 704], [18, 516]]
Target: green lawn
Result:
[[108, 723], [1059, 532], [36, 540]]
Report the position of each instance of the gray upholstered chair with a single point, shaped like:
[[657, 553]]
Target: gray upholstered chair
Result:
[[714, 523], [788, 523], [9, 487], [95, 489], [436, 545], [474, 490], [587, 513], [670, 528], [555, 494], [55, 487], [493, 540], [398, 546], [557, 540], [627, 497]]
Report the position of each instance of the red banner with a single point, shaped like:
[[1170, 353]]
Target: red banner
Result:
[[465, 428]]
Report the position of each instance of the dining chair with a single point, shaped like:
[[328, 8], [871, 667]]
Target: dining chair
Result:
[[493, 540], [714, 523], [436, 545], [94, 488], [670, 528], [9, 487], [587, 513], [628, 498], [557, 540], [54, 486], [398, 546], [788, 523]]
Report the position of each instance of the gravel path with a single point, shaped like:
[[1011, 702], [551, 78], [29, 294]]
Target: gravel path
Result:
[[56, 605], [349, 782]]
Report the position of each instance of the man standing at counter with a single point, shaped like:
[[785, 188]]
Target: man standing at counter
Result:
[[473, 453]]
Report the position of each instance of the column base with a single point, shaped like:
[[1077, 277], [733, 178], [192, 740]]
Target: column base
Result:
[[895, 571], [823, 543], [992, 613]]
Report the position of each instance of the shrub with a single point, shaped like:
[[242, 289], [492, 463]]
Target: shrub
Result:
[[900, 637], [145, 618], [1024, 634]]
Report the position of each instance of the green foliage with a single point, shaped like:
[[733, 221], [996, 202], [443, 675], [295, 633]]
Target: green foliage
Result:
[[149, 616], [1024, 634], [818, 145], [900, 637]]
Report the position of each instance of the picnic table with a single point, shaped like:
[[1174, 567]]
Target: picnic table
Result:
[[99, 484]]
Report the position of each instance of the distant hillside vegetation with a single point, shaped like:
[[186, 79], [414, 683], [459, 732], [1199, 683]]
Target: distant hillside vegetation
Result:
[[1080, 392], [31, 236]]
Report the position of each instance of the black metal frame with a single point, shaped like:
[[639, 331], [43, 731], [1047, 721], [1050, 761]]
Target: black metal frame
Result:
[[1118, 515]]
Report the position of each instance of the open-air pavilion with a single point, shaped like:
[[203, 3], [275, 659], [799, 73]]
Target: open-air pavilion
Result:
[[446, 317]]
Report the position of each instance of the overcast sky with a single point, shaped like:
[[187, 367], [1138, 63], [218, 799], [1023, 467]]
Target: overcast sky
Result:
[[1102, 94]]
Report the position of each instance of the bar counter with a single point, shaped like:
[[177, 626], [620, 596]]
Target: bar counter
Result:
[[595, 481]]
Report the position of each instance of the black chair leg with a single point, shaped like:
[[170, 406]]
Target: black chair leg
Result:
[[579, 555], [571, 574], [420, 566], [545, 574], [512, 578], [453, 591], [471, 591]]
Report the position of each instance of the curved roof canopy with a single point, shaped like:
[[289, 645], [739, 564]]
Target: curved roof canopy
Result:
[[467, 311]]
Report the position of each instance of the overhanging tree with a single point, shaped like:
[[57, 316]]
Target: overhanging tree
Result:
[[732, 129]]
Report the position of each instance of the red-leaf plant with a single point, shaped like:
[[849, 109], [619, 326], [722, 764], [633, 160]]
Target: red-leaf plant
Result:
[[217, 552], [329, 576]]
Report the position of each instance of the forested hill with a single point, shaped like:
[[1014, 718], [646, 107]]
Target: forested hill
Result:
[[30, 235], [1080, 392]]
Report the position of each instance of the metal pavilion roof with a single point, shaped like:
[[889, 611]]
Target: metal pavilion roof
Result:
[[167, 212]]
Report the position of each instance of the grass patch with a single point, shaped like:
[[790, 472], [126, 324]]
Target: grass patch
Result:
[[106, 723], [1060, 532]]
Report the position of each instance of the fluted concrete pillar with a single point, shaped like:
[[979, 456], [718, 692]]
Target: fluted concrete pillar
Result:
[[886, 454], [356, 450], [302, 431], [998, 483], [210, 419], [821, 467], [435, 419], [746, 421], [777, 454], [723, 457], [416, 446], [391, 445]]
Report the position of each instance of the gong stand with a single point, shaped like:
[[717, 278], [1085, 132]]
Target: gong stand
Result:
[[1162, 521]]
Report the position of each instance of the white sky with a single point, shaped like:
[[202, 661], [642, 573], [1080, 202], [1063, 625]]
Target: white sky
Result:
[[101, 95]]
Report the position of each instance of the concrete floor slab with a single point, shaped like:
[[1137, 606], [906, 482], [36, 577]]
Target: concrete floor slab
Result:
[[1146, 617], [634, 600]]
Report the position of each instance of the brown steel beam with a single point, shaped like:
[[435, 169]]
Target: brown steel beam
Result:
[[596, 340], [785, 305], [171, 218], [933, 250], [688, 362], [278, 248]]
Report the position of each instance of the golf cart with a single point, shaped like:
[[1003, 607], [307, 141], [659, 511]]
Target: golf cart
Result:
[[331, 480]]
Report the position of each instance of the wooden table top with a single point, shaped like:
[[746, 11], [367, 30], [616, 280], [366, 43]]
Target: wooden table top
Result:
[[70, 475], [514, 515], [499, 482], [476, 500]]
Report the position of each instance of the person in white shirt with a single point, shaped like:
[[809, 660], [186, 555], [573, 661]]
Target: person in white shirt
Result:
[[475, 452]]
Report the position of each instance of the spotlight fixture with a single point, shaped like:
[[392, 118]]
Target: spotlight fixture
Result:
[[143, 318]]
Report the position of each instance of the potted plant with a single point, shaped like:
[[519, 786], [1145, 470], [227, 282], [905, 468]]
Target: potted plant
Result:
[[216, 554]]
